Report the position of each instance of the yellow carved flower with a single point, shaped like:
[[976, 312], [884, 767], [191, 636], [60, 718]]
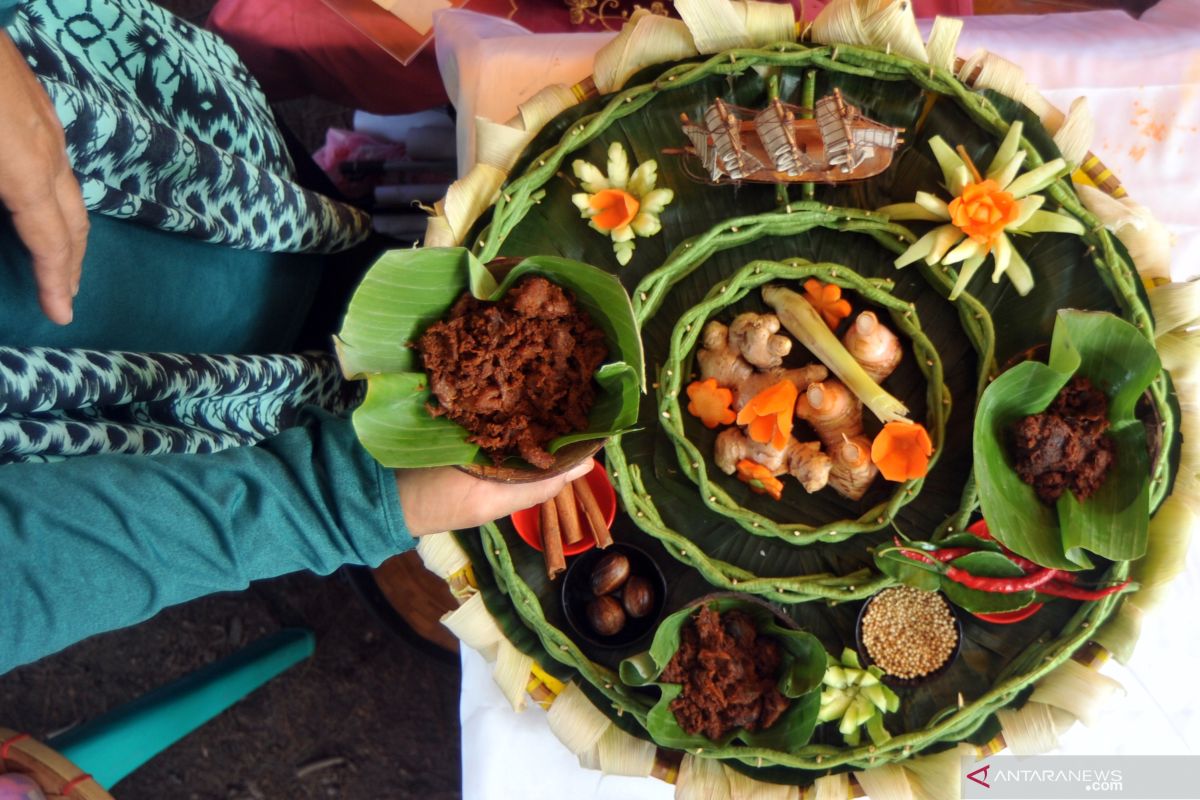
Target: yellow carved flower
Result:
[[618, 204], [983, 211]]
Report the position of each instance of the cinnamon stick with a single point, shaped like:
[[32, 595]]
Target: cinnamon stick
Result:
[[592, 513], [552, 546], [568, 515]]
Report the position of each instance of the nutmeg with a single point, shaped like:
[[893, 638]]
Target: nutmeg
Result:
[[638, 597], [610, 573], [605, 615]]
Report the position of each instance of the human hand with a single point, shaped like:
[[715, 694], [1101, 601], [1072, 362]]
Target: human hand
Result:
[[37, 185], [446, 498]]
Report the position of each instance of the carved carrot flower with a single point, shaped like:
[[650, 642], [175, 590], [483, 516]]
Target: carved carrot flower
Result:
[[901, 451], [711, 403], [827, 299], [618, 204], [768, 416], [984, 209], [759, 478]]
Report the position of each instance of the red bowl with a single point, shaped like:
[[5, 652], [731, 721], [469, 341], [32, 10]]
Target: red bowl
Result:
[[528, 521]]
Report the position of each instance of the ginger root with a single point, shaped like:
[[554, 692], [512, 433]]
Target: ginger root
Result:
[[853, 469], [832, 410], [755, 337], [721, 358], [802, 460], [873, 346]]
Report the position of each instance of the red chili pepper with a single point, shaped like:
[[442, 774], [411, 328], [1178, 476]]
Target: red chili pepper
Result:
[[980, 528], [951, 553], [910, 553], [1000, 585], [1058, 588], [1009, 617]]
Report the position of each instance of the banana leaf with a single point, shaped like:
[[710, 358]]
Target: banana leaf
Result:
[[1113, 523], [408, 290], [699, 549], [803, 667]]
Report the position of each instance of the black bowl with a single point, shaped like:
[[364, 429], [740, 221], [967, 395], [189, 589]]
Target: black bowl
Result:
[[865, 659], [577, 593]]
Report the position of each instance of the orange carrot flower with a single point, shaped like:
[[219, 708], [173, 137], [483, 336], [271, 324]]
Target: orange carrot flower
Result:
[[902, 451], [768, 416], [614, 208], [826, 298], [983, 211], [759, 478], [711, 403]]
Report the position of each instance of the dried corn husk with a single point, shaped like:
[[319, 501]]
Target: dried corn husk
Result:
[[718, 25], [743, 787], [468, 197], [701, 779], [1076, 689], [943, 42], [499, 145], [590, 758], [888, 25], [885, 782], [1170, 533], [1008, 79], [1029, 730], [544, 106], [442, 554], [938, 776], [831, 787], [511, 673], [1146, 239], [620, 753], [645, 39], [1120, 633], [1074, 137], [575, 721], [1175, 306], [475, 627]]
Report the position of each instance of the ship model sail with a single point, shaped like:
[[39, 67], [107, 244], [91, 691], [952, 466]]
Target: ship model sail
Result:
[[783, 143]]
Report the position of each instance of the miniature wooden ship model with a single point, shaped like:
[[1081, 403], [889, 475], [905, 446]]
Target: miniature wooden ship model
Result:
[[784, 143]]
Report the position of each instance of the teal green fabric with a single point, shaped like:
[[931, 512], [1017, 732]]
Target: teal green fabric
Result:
[[8, 10], [97, 543], [166, 126], [149, 291]]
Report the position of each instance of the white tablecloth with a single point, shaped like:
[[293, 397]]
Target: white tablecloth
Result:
[[1142, 78]]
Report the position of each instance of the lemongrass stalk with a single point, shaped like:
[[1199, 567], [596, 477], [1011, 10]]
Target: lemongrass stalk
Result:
[[575, 721], [803, 321]]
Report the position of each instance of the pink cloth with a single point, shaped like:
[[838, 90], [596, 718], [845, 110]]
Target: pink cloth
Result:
[[300, 47]]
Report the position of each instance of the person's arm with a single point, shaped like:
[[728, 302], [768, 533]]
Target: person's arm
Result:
[[36, 182], [97, 543], [100, 542]]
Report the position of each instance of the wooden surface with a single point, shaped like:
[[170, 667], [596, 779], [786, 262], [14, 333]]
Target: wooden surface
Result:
[[418, 596], [48, 769]]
